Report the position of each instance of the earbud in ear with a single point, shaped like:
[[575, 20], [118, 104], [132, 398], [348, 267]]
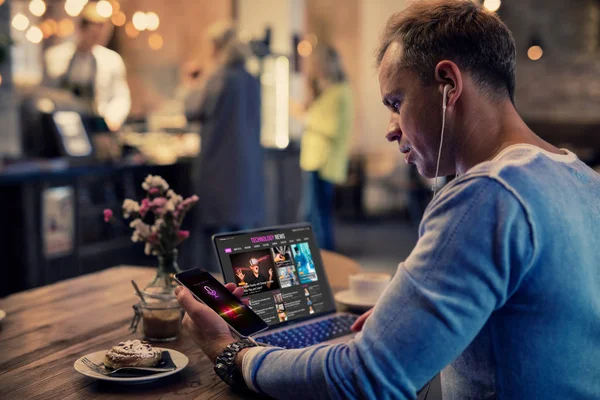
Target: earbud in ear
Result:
[[445, 98]]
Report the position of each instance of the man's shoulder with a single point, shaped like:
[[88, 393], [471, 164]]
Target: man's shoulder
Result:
[[237, 75], [103, 53], [519, 158], [523, 172], [60, 50]]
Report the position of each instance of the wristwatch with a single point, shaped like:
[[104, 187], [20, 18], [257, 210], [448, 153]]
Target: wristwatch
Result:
[[225, 366]]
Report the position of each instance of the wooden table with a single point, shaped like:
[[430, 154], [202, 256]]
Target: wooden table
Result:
[[48, 328]]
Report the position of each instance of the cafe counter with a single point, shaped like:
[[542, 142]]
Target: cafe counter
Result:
[[52, 218], [52, 225]]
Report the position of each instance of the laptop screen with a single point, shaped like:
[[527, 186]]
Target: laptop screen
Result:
[[280, 270]]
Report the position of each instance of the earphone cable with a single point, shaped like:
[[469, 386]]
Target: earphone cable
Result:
[[437, 168]]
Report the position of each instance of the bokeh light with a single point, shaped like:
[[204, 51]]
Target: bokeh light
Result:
[[130, 30], [118, 18], [104, 8], [49, 27], [155, 41], [74, 7], [20, 22], [535, 53], [34, 34], [65, 27], [152, 21], [37, 7], [305, 48], [116, 7], [140, 20], [492, 5]]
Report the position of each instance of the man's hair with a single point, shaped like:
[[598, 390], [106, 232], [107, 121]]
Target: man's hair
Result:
[[225, 39], [456, 30], [90, 16]]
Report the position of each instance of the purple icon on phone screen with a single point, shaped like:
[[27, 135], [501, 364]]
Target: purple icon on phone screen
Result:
[[212, 292]]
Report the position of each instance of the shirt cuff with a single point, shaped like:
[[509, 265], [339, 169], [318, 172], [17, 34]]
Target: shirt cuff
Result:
[[247, 364]]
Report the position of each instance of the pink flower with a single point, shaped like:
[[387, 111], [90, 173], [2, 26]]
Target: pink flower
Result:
[[153, 238], [108, 214], [192, 200], [158, 202], [182, 235], [187, 203], [154, 190], [144, 207]]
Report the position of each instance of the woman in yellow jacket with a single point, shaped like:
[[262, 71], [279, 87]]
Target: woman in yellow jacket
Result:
[[325, 144]]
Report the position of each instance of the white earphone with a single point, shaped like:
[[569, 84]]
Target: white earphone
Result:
[[444, 104], [445, 96]]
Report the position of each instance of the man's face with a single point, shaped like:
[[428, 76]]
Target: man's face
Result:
[[91, 34], [415, 121], [254, 269]]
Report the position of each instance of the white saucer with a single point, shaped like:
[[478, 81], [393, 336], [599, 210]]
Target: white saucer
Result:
[[2, 314], [179, 359], [346, 298]]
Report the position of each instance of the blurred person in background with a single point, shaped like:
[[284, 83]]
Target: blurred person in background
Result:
[[225, 100], [91, 72], [325, 144]]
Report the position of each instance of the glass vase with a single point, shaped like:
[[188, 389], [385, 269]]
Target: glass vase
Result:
[[163, 286]]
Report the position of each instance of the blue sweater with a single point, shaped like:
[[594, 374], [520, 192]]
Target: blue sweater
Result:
[[501, 294]]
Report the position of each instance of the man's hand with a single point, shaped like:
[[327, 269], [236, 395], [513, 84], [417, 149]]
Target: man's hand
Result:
[[112, 125], [358, 324], [270, 280], [240, 275], [210, 332]]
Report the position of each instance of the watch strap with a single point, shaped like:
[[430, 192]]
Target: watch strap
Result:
[[225, 366]]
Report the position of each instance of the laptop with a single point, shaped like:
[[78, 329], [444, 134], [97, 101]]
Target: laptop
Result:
[[282, 273]]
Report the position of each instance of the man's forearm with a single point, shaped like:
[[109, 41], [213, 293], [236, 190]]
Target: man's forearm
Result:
[[215, 348]]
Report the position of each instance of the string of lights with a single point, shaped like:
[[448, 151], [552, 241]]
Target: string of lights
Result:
[[36, 28]]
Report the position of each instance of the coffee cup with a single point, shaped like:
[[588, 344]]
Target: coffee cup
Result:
[[161, 320], [368, 286]]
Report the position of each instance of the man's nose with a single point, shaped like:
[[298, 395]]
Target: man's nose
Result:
[[393, 125], [394, 120]]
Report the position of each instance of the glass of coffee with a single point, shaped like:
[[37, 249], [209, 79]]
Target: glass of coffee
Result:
[[161, 319]]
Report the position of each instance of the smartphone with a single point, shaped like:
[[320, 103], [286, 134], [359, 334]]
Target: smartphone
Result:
[[241, 319]]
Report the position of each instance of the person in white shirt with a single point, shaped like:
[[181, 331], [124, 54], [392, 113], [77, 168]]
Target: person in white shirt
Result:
[[94, 74]]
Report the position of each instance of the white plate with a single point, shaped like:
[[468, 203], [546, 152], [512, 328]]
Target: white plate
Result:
[[179, 359], [2, 314], [346, 298]]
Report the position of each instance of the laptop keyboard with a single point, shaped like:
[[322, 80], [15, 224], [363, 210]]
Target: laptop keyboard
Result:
[[307, 335]]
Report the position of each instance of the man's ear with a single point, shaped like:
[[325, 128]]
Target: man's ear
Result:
[[448, 73]]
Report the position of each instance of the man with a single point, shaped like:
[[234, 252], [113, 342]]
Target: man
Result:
[[501, 290], [93, 73], [256, 277]]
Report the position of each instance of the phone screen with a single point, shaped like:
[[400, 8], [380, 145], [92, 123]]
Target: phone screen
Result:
[[238, 315]]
